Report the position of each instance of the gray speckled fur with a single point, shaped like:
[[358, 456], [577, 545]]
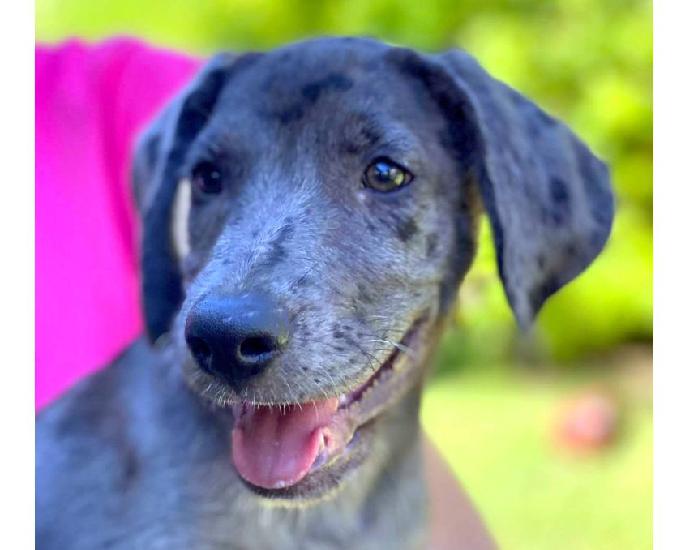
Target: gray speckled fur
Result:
[[138, 455]]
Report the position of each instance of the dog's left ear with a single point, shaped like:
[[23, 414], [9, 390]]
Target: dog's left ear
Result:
[[158, 157], [547, 196]]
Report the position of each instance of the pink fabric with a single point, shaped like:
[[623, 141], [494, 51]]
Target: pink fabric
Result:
[[91, 100]]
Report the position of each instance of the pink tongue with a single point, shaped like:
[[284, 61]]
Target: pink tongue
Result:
[[274, 447]]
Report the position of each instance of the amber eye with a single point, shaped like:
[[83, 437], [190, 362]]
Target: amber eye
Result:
[[385, 175], [207, 178]]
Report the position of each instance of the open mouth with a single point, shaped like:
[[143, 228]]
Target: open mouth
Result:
[[275, 447]]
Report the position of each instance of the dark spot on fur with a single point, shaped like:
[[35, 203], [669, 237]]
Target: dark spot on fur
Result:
[[432, 241], [596, 238], [311, 93], [406, 229], [462, 254], [277, 254], [304, 281], [594, 175], [338, 348], [278, 251], [284, 233], [332, 82], [541, 261], [290, 114], [364, 296], [350, 148], [559, 211], [369, 135], [559, 191], [153, 149], [459, 138], [540, 294], [131, 468]]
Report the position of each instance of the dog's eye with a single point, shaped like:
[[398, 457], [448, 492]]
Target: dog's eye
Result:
[[385, 175], [207, 178]]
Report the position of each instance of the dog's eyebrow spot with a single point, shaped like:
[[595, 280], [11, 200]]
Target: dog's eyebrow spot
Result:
[[406, 229], [365, 138], [332, 82], [311, 93]]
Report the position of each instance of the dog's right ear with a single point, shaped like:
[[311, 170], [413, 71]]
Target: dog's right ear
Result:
[[159, 155]]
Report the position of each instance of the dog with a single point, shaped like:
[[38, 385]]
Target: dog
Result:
[[308, 216]]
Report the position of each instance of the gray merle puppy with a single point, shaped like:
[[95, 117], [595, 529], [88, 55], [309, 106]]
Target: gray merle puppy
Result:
[[308, 216]]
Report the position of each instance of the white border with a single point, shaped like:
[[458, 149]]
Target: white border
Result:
[[17, 245], [667, 275]]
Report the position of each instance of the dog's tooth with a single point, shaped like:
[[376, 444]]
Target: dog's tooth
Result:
[[342, 400]]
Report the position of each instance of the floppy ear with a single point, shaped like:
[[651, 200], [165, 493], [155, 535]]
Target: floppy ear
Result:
[[159, 154], [547, 196]]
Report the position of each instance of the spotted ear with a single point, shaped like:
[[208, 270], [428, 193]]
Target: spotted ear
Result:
[[159, 153], [548, 197]]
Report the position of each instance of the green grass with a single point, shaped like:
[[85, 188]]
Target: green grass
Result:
[[495, 432]]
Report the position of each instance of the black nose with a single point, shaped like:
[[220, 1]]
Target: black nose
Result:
[[236, 337]]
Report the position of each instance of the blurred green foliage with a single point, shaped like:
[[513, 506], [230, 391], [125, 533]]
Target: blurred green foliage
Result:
[[588, 62]]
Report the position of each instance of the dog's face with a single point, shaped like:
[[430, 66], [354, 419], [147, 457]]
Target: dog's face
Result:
[[308, 216]]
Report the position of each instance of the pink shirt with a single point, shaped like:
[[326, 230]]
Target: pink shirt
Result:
[[91, 100]]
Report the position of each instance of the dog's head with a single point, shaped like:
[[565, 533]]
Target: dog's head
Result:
[[308, 216]]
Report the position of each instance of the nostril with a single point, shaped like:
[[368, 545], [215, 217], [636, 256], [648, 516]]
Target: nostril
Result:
[[257, 349]]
